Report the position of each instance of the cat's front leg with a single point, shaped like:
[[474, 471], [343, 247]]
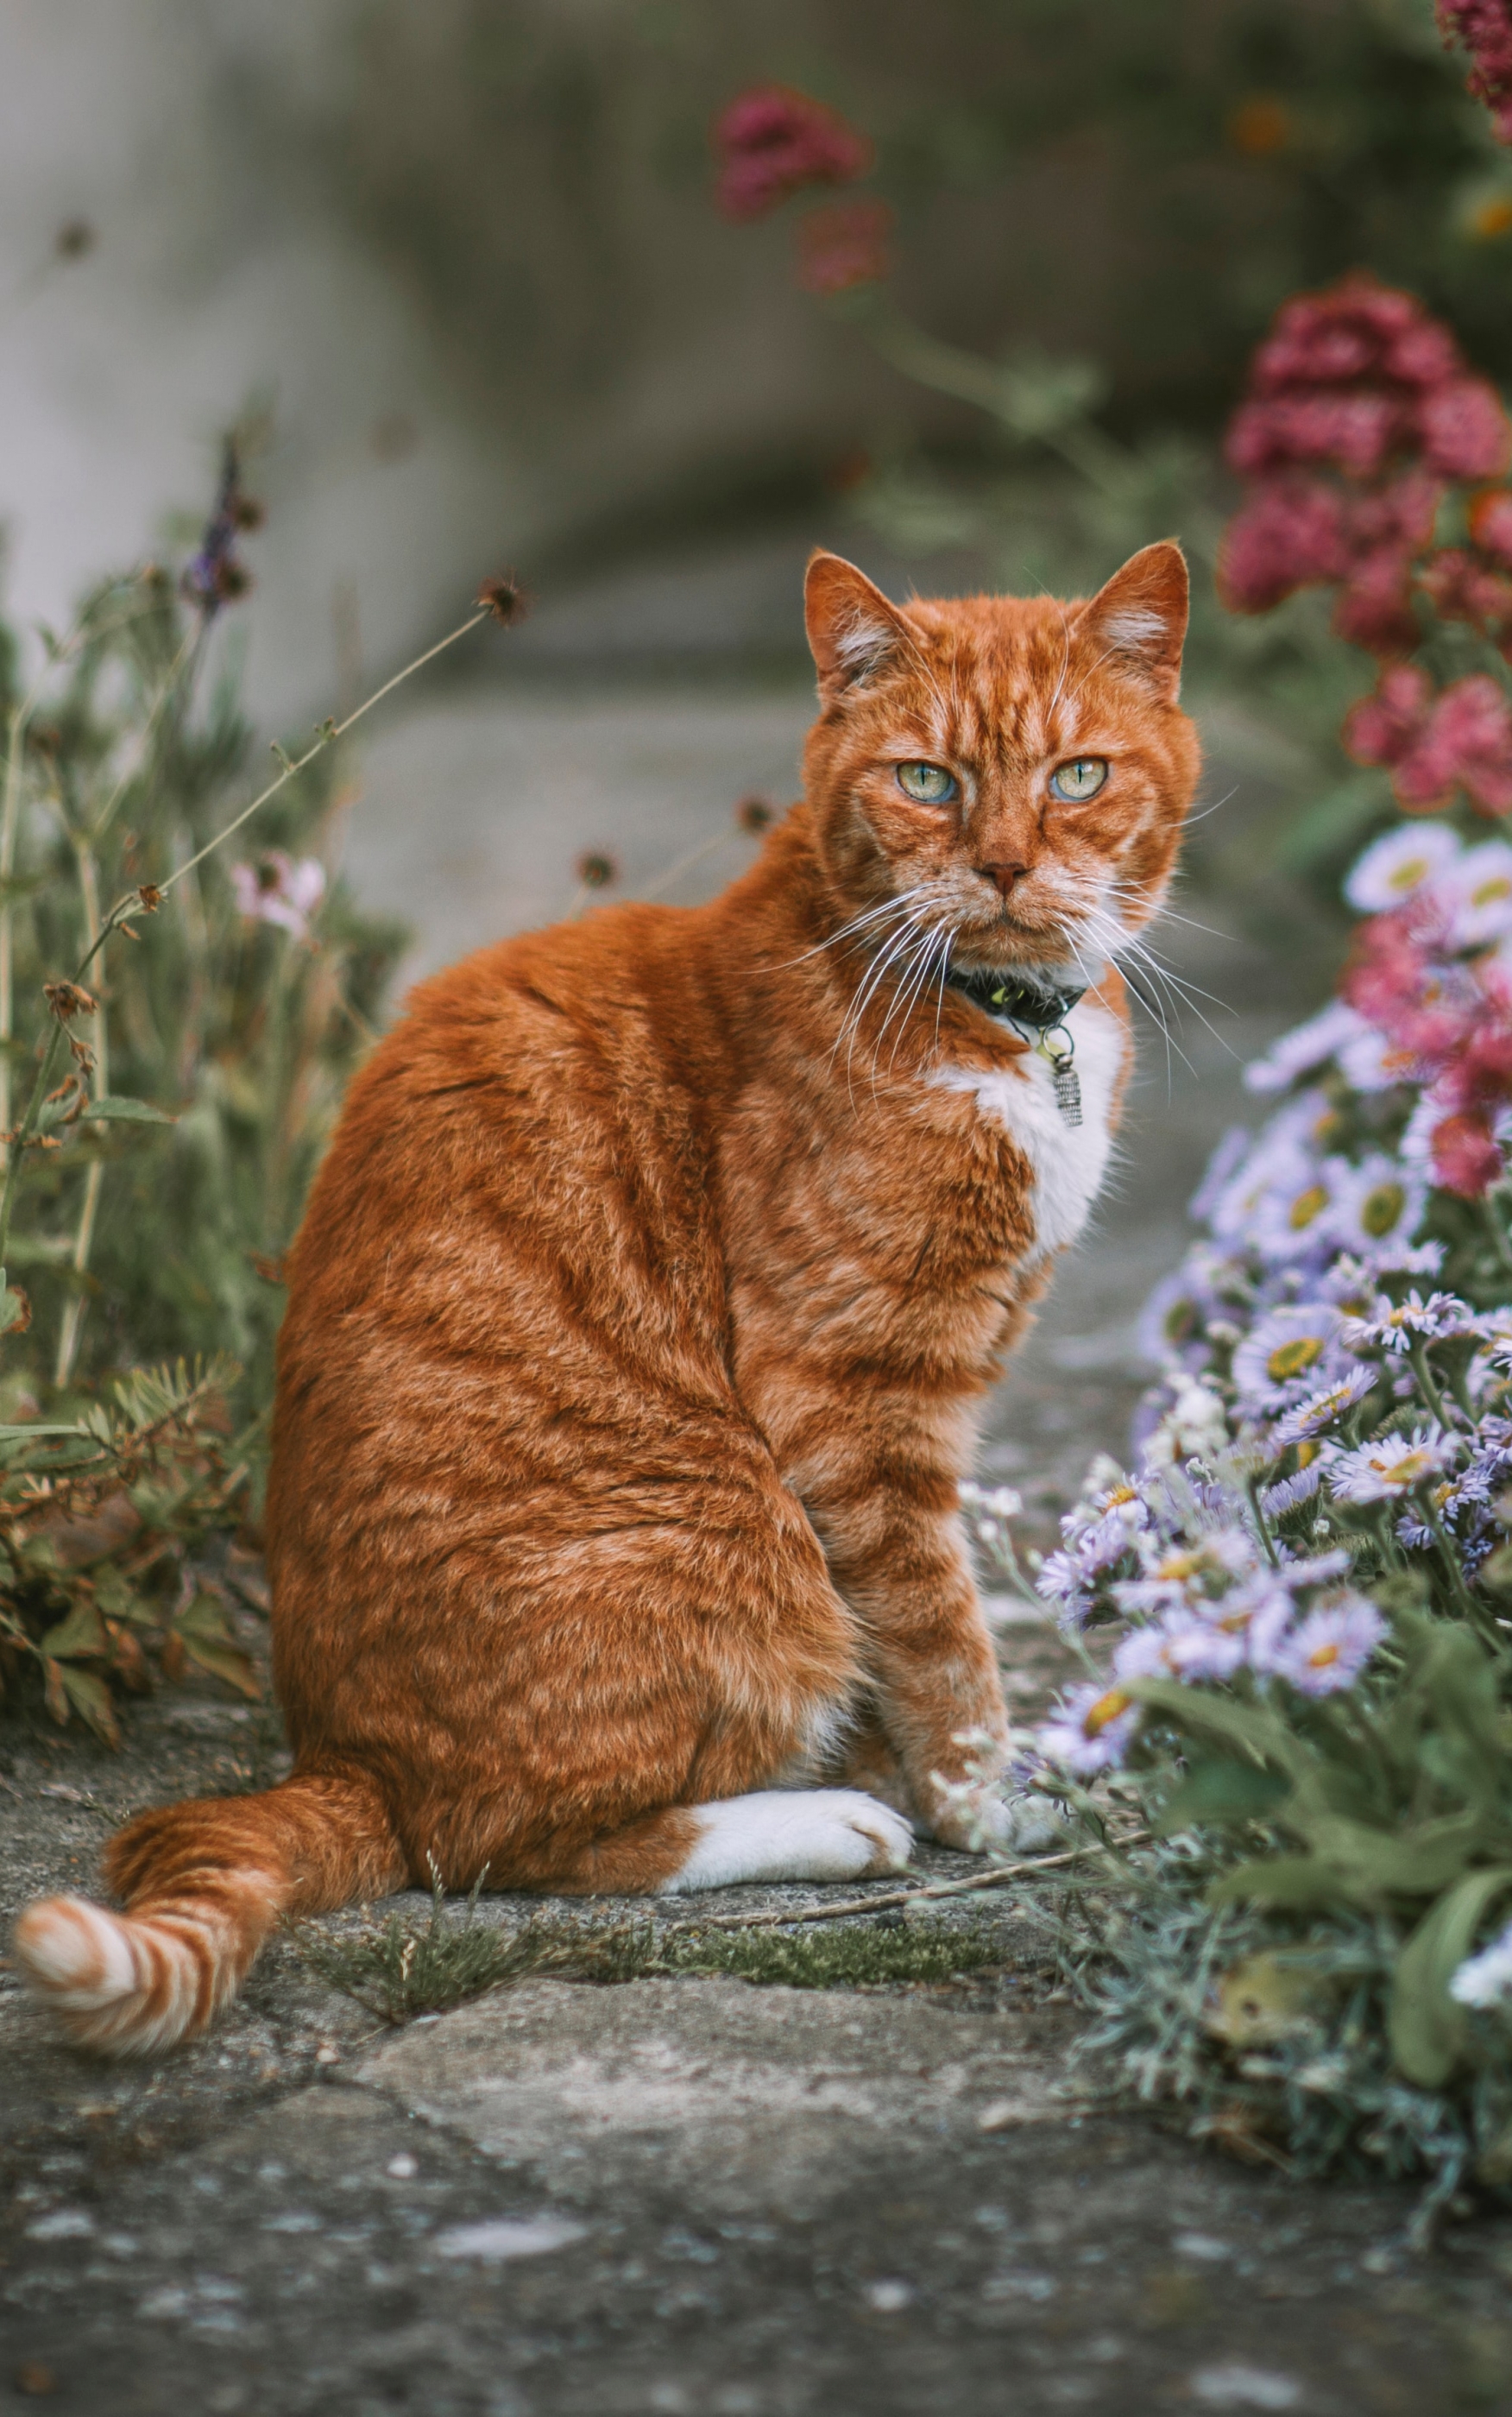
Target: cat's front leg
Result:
[[903, 1570]]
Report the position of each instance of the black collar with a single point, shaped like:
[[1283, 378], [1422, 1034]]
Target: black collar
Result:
[[1012, 999]]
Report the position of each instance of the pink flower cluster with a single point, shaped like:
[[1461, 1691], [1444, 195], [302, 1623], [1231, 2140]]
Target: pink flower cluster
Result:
[[1484, 28], [1360, 408], [1452, 1019], [771, 141], [1437, 744]]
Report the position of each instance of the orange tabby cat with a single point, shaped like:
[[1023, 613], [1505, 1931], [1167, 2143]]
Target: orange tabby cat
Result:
[[640, 1319]]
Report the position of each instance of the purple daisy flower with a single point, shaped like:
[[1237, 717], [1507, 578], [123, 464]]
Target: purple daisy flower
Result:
[[1324, 1409], [1389, 1467], [1326, 1651], [1284, 1353], [1395, 1326], [1290, 1493], [1091, 1731]]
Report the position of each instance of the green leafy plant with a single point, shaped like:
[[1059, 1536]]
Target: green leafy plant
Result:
[[101, 1520], [177, 1025]]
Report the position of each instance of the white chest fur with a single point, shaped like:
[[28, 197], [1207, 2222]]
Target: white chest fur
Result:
[[1069, 1160]]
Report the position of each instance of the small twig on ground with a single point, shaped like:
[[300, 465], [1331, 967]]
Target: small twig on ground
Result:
[[993, 1878]]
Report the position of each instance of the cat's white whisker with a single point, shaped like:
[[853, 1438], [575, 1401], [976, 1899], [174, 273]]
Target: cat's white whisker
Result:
[[850, 1025], [911, 990], [886, 906]]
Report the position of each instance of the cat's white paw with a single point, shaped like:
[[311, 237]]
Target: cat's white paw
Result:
[[823, 1834], [982, 1818]]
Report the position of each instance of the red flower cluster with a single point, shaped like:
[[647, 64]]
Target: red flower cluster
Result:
[[1436, 745], [1484, 28], [1463, 587], [1360, 408], [844, 245], [771, 141], [1454, 1020]]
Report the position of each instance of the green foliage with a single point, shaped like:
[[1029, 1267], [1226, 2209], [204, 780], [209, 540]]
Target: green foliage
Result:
[[176, 1031], [171, 1164], [1275, 2040], [101, 1519], [1395, 1802], [1278, 1961]]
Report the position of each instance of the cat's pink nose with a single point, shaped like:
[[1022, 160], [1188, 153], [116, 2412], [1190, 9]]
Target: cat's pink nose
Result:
[[1004, 875]]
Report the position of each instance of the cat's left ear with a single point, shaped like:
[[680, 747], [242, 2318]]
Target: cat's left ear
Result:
[[854, 632], [1140, 616]]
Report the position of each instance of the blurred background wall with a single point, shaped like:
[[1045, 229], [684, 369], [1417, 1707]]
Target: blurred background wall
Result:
[[463, 252]]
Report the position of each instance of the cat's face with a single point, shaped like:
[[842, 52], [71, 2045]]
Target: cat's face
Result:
[[1005, 776]]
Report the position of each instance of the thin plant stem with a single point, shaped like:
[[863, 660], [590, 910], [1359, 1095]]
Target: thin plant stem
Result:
[[9, 818], [46, 1063], [1417, 1354], [1496, 1226], [996, 1875], [1391, 1552], [330, 733], [1478, 1616], [133, 903], [168, 684], [675, 871], [74, 1315], [1262, 1522], [9, 825]]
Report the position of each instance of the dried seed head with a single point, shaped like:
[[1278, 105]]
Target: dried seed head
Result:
[[596, 869], [753, 815], [66, 998], [505, 598], [151, 896]]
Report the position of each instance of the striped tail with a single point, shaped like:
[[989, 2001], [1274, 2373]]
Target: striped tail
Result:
[[203, 1883]]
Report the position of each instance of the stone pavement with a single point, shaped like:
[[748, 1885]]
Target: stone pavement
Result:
[[682, 2195]]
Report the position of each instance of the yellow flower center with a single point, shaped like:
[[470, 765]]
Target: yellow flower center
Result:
[[1306, 1454], [1409, 874], [1180, 1565], [1289, 1359], [1409, 1470], [1107, 1709], [1382, 1208], [1498, 886], [1306, 1205], [1322, 1657]]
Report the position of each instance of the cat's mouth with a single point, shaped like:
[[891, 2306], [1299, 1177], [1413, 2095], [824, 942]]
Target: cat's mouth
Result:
[[1032, 946]]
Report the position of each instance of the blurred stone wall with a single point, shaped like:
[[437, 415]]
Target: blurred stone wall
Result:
[[465, 252]]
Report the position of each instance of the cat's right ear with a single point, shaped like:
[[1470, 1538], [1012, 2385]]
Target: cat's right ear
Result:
[[854, 632]]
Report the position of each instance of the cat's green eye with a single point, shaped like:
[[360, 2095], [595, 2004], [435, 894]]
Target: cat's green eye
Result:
[[1079, 779], [928, 784]]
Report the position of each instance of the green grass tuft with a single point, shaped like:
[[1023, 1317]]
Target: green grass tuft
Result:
[[405, 1968], [850, 1956]]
